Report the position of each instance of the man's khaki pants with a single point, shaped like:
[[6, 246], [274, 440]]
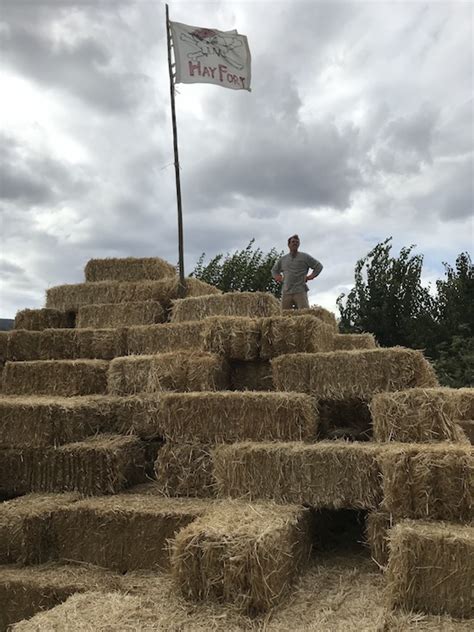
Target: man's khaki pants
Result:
[[300, 301]]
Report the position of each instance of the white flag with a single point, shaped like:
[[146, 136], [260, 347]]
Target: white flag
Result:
[[205, 55]]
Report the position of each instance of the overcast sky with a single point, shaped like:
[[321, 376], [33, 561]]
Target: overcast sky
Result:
[[359, 126]]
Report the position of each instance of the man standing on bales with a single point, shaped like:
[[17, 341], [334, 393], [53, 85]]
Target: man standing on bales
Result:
[[292, 270]]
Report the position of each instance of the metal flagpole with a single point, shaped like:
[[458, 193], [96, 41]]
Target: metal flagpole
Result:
[[182, 286]]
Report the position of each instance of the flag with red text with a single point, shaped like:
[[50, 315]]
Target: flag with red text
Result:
[[204, 55]]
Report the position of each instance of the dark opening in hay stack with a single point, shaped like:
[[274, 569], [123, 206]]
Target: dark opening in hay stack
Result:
[[243, 554], [39, 319], [164, 338], [247, 304], [346, 374], [431, 568], [123, 532], [428, 481], [180, 371], [348, 419], [420, 415], [64, 378], [128, 269], [67, 344], [251, 376], [467, 426], [43, 421], [328, 474], [25, 523], [120, 314]]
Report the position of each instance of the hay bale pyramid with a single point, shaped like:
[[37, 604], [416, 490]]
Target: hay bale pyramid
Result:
[[174, 461]]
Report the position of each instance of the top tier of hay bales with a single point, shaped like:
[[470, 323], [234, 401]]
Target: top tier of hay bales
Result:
[[71, 297], [128, 269], [250, 304]]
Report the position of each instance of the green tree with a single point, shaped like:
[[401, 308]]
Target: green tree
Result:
[[388, 299], [247, 270]]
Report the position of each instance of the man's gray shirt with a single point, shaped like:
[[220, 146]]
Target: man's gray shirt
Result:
[[295, 270]]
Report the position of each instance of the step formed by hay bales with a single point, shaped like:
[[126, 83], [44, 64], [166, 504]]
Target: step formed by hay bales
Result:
[[128, 269], [124, 532], [428, 481], [120, 314], [431, 568], [316, 311], [346, 374], [284, 335], [24, 592], [235, 337], [71, 297], [67, 344], [420, 415], [348, 342], [25, 523], [250, 376], [246, 555], [63, 378], [185, 469], [377, 530], [34, 422], [248, 304], [39, 319], [325, 475], [104, 464], [180, 371], [226, 416], [164, 338]]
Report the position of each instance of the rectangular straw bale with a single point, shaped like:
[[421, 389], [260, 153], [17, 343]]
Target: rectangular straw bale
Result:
[[128, 269], [284, 335], [418, 415], [112, 315], [431, 568], [317, 311], [251, 376], [26, 591], [246, 304], [467, 426], [185, 469], [358, 373], [4, 341], [124, 532], [25, 527], [104, 464], [237, 338], [67, 344], [226, 416], [354, 341], [428, 481], [71, 297], [378, 525], [39, 319], [248, 555], [165, 338], [56, 377], [41, 421], [324, 475], [179, 371]]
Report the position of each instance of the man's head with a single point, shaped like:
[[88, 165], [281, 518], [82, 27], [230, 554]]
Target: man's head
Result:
[[293, 244]]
